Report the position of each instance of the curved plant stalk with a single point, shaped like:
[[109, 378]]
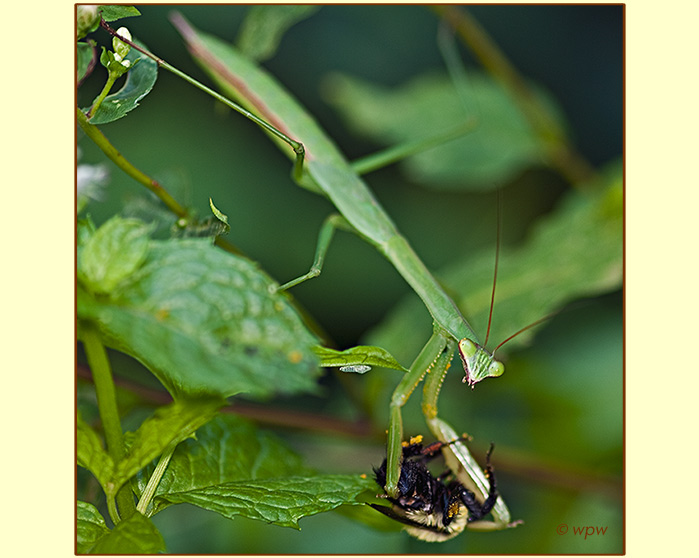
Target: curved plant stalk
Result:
[[109, 414], [561, 154], [154, 479]]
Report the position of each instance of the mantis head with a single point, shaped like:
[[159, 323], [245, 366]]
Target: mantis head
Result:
[[478, 363]]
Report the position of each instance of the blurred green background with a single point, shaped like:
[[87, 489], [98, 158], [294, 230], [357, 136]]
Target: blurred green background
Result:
[[556, 416]]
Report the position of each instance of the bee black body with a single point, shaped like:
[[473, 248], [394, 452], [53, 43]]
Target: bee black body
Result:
[[431, 509]]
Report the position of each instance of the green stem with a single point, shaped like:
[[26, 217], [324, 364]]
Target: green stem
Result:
[[154, 480], [109, 412], [561, 154], [295, 145], [96, 135], [105, 91]]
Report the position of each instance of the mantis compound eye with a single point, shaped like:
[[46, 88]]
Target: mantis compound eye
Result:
[[467, 348], [496, 369]]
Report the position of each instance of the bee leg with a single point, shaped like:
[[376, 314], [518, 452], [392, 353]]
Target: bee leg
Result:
[[476, 509]]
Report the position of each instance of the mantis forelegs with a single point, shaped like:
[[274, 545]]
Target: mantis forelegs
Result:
[[456, 454], [427, 358]]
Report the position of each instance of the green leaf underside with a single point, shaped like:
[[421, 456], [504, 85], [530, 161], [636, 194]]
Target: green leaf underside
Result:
[[499, 147], [233, 468], [360, 355], [134, 535], [574, 252], [265, 25], [90, 527], [140, 79], [205, 322]]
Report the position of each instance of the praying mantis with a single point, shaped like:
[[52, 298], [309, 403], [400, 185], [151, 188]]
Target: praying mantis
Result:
[[321, 168]]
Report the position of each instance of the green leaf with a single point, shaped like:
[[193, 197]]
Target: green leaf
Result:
[[170, 424], [227, 449], [140, 79], [282, 501], [85, 229], [90, 527], [362, 355], [264, 26], [232, 468], [113, 253], [207, 322], [92, 455], [85, 54], [500, 146], [114, 12], [222, 217], [134, 535], [574, 252]]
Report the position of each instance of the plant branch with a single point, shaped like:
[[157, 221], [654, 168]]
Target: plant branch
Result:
[[154, 479], [109, 412], [264, 414], [561, 154], [111, 79], [295, 145], [96, 135]]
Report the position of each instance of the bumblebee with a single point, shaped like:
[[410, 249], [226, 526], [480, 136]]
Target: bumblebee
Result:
[[434, 509]]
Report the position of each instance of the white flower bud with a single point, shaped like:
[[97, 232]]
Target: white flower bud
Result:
[[88, 19], [121, 49]]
